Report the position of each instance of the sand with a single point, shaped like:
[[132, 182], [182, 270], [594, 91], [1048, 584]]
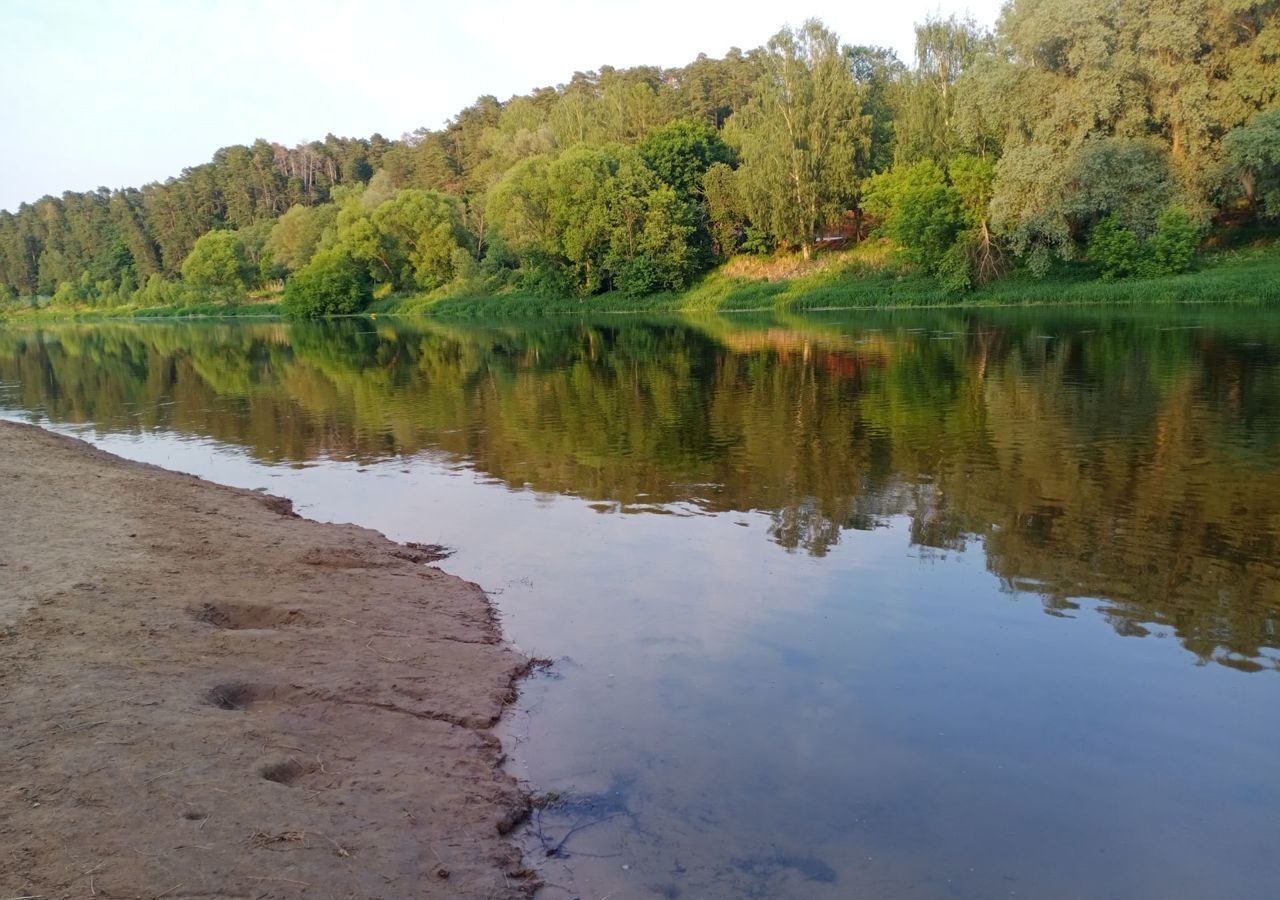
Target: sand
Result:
[[202, 695]]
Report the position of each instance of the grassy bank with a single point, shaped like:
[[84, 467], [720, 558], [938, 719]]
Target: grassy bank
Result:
[[866, 277], [210, 310]]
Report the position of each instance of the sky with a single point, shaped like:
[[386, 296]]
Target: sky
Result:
[[115, 93]]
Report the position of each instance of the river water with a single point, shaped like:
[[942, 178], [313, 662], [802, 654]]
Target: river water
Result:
[[913, 605]]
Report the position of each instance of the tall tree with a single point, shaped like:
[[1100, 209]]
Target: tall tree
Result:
[[925, 126], [800, 135]]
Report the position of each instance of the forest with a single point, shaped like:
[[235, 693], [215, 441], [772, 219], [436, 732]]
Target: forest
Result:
[[1110, 137]]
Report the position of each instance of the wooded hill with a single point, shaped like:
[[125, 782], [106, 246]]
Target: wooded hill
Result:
[[1113, 131]]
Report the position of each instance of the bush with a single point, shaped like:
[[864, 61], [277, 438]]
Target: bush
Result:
[[159, 292], [1173, 246], [1170, 250], [1039, 261], [919, 210], [954, 270], [331, 284], [1114, 249]]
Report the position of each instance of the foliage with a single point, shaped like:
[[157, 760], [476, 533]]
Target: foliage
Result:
[[1043, 198], [1069, 114], [924, 125], [799, 136], [1173, 247], [919, 210], [332, 283], [423, 231], [300, 232], [681, 152], [1119, 253], [1253, 150], [218, 266], [590, 220], [1114, 249], [726, 210]]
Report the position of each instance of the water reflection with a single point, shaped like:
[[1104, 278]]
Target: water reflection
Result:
[[1121, 458]]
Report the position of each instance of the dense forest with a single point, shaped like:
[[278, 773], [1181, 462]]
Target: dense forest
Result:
[[1104, 133]]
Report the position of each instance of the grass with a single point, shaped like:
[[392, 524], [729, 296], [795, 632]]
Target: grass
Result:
[[870, 276], [188, 311]]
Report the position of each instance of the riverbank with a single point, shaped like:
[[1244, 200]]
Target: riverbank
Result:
[[854, 280], [202, 694]]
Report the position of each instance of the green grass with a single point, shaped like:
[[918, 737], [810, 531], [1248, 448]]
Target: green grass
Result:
[[866, 277], [189, 311], [1251, 275]]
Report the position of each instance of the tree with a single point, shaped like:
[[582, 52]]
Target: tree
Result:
[[422, 232], [925, 126], [1114, 249], [331, 284], [680, 153], [590, 220], [650, 247], [1253, 151], [1173, 247], [878, 72], [918, 209], [1047, 201], [300, 232], [726, 211], [217, 265], [800, 135], [1119, 253]]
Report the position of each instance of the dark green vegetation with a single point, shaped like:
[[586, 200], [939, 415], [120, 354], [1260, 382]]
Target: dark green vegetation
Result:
[[1095, 141]]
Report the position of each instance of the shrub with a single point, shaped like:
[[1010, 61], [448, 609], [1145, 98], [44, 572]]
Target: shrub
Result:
[[1173, 246], [954, 269], [1114, 249], [331, 284]]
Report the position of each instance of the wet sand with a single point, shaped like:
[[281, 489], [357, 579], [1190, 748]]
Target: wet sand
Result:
[[203, 695]]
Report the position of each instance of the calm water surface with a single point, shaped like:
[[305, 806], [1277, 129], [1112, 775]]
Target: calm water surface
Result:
[[908, 606]]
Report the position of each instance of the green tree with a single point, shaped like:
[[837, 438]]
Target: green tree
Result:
[[331, 284], [421, 232], [218, 266], [1114, 249], [1050, 200], [1253, 151], [918, 209], [300, 232], [799, 137], [879, 74], [680, 153], [925, 125], [726, 210], [1173, 246]]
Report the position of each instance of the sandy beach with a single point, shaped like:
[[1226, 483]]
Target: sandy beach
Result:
[[202, 695]]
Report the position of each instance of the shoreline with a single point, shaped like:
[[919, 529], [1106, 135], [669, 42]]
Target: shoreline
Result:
[[1249, 277], [587, 312], [204, 695]]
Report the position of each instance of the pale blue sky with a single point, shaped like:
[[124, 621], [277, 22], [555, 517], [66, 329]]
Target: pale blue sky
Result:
[[107, 92]]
